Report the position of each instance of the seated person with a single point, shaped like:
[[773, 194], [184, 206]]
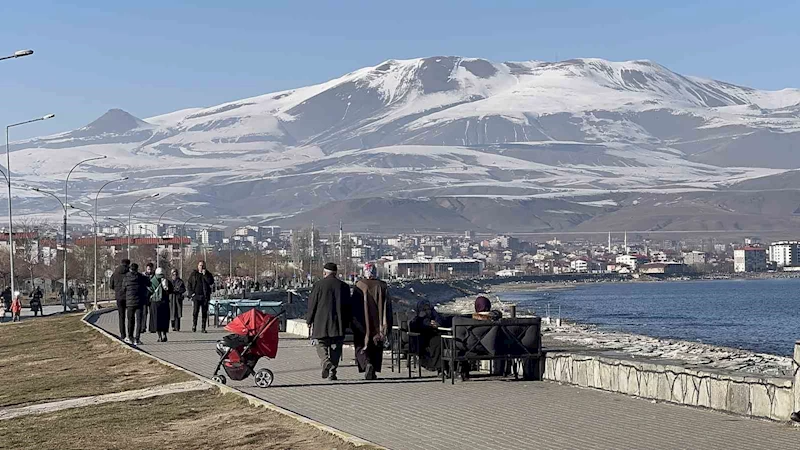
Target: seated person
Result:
[[483, 310], [427, 322]]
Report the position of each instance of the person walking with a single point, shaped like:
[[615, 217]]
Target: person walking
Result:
[[117, 285], [329, 313], [160, 288], [147, 316], [6, 300], [36, 302], [199, 288], [136, 293], [16, 307], [372, 320], [176, 300]]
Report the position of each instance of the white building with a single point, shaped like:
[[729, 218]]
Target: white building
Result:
[[579, 265], [784, 253], [694, 258], [749, 259], [147, 229], [211, 237], [631, 261], [434, 267]]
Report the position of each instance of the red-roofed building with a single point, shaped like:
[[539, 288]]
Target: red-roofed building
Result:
[[750, 259]]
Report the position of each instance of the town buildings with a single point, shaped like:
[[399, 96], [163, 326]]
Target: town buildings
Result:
[[749, 259]]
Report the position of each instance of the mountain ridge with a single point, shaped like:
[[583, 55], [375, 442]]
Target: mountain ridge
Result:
[[441, 127]]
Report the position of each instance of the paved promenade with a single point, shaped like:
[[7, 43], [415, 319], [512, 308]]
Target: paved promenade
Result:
[[486, 414]]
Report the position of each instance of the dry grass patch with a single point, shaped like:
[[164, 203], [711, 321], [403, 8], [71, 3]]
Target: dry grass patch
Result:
[[60, 357], [207, 420]]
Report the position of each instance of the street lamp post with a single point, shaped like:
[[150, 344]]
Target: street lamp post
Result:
[[94, 223], [96, 232], [181, 242], [63, 207], [143, 230], [66, 201], [130, 220], [158, 224], [7, 175], [17, 54]]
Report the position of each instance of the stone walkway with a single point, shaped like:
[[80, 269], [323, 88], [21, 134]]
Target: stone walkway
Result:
[[486, 414]]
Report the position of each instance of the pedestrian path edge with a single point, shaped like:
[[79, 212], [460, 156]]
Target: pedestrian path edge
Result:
[[253, 400]]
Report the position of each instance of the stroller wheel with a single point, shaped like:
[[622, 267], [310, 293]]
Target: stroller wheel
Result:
[[264, 378], [219, 379]]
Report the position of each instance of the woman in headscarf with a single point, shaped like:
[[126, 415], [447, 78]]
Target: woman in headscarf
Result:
[[176, 300], [427, 323], [372, 320], [483, 310], [159, 300]]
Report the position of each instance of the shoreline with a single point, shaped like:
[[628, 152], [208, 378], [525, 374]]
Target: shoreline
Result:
[[592, 337]]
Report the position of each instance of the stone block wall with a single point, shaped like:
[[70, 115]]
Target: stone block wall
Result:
[[765, 397]]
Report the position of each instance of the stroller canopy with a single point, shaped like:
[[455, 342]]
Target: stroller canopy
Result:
[[260, 326]]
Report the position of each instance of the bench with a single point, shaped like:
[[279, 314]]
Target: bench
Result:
[[482, 340]]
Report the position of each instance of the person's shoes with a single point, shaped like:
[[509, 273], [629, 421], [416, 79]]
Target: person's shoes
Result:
[[138, 342], [194, 329], [159, 339], [127, 341], [333, 377], [204, 331], [795, 416], [370, 373], [164, 339], [326, 370]]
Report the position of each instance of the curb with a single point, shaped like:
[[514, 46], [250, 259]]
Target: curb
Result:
[[251, 399]]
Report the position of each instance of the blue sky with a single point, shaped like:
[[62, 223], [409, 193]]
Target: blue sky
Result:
[[149, 59]]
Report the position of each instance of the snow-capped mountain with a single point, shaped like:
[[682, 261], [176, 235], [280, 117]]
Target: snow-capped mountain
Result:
[[583, 131]]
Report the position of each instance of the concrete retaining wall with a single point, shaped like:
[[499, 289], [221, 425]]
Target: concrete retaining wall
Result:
[[764, 397]]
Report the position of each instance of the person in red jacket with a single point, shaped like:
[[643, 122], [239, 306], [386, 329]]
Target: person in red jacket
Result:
[[16, 308]]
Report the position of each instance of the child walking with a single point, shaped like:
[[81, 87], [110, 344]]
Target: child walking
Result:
[[16, 308]]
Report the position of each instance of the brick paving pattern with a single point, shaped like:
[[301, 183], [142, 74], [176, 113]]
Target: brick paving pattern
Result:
[[483, 414]]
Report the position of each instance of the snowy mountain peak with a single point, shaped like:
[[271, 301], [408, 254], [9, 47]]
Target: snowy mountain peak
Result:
[[115, 121]]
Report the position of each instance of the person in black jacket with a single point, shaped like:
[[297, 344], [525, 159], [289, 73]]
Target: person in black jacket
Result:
[[136, 293], [329, 314], [176, 300], [118, 286], [199, 288], [148, 323]]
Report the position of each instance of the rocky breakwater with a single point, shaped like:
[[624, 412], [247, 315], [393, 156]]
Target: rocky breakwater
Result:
[[688, 373]]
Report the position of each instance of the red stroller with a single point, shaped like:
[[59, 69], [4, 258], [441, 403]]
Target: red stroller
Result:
[[255, 334]]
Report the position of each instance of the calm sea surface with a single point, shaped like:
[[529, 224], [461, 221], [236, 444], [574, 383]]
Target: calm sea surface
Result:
[[758, 315]]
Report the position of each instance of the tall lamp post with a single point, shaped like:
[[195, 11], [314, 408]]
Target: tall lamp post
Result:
[[96, 232], [7, 176], [158, 224], [66, 201], [183, 228], [94, 223], [130, 219], [64, 208], [143, 230], [17, 54]]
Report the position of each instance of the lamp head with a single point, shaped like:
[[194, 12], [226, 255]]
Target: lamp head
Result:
[[49, 116], [21, 53]]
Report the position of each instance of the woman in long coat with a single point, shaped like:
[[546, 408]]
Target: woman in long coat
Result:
[[372, 321], [176, 300], [160, 300]]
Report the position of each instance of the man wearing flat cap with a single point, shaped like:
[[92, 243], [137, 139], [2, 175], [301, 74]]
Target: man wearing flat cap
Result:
[[329, 314]]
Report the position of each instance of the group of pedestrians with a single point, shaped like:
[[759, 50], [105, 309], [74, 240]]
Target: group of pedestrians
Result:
[[153, 302], [367, 311]]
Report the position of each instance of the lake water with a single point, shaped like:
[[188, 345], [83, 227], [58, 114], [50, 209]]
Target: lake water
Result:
[[758, 315]]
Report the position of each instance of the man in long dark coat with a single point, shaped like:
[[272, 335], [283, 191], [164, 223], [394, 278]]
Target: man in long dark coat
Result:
[[372, 320], [329, 314], [118, 286], [136, 298], [199, 288]]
